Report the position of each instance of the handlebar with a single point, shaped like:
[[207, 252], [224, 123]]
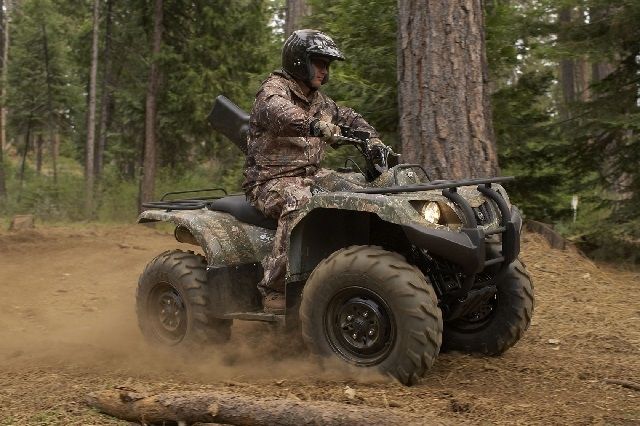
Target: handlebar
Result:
[[364, 143], [376, 155]]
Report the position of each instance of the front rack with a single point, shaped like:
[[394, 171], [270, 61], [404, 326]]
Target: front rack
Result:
[[436, 184]]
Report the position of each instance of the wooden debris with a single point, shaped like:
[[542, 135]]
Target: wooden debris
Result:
[[21, 222], [233, 409]]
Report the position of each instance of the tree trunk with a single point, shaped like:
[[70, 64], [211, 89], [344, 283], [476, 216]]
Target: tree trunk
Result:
[[5, 10], [583, 79], [149, 162], [443, 94], [54, 157], [567, 67], [4, 50], [27, 140], [106, 94], [600, 71], [56, 147], [296, 10], [91, 113], [3, 185], [39, 143], [233, 409]]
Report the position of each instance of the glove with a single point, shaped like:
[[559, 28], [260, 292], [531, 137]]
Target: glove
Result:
[[324, 129], [376, 142]]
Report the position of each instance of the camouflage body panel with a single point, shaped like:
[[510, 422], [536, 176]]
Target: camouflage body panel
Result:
[[395, 208], [225, 240]]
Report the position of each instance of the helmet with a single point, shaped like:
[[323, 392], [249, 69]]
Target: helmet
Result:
[[301, 46]]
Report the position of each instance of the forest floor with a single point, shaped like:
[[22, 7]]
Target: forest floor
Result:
[[68, 327]]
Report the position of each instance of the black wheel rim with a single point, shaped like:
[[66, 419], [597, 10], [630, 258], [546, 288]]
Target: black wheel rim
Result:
[[168, 313], [479, 319], [360, 326]]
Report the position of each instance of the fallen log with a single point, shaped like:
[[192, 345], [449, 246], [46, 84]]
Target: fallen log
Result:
[[624, 383], [234, 409], [554, 239]]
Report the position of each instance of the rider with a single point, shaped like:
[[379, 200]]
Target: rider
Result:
[[290, 125]]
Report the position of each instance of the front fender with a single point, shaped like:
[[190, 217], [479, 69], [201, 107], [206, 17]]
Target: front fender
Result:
[[225, 240], [393, 210]]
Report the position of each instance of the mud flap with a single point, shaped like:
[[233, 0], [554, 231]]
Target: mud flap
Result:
[[234, 289]]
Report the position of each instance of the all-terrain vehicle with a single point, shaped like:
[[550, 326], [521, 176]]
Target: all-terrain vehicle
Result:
[[385, 265]]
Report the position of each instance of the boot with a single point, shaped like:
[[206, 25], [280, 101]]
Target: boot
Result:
[[274, 302]]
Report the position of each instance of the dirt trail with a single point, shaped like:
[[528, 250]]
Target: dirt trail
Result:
[[67, 327]]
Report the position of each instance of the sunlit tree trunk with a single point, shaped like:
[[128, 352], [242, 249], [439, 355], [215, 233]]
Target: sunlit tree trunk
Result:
[[149, 162], [296, 10], [91, 113], [443, 94]]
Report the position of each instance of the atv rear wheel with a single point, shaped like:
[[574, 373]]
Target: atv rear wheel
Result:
[[500, 323], [173, 305], [369, 307]]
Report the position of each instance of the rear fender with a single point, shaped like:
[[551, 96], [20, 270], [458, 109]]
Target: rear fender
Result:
[[224, 240]]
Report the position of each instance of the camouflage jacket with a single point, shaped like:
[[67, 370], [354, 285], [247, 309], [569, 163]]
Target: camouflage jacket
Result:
[[280, 143]]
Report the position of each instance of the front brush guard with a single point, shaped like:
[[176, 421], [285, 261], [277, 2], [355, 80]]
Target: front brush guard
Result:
[[467, 247]]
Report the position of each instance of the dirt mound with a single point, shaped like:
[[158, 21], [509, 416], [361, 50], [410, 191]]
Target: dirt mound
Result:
[[67, 327]]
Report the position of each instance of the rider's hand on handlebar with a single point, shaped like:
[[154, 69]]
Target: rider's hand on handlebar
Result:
[[376, 142], [324, 129]]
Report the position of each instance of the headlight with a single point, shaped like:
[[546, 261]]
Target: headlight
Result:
[[431, 212], [438, 213]]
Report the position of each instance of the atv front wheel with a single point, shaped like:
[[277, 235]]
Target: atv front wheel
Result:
[[172, 303], [500, 323], [369, 307]]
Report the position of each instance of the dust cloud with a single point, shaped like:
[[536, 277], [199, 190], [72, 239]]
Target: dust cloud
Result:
[[73, 306]]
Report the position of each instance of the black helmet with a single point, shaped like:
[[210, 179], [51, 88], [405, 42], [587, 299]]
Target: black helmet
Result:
[[301, 46]]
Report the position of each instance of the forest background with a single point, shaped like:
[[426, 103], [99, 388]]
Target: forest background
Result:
[[79, 76]]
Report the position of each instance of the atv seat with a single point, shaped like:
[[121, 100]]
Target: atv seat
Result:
[[238, 207]]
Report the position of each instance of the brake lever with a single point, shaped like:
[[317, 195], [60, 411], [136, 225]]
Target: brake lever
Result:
[[386, 148]]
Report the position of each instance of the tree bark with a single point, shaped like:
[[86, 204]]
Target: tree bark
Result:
[[296, 10], [106, 94], [443, 94], [233, 409], [91, 113], [149, 162]]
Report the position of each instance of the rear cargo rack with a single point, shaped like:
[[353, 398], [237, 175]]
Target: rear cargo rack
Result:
[[193, 203]]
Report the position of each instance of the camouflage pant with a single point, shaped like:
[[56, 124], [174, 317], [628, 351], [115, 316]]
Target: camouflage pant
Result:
[[279, 199]]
